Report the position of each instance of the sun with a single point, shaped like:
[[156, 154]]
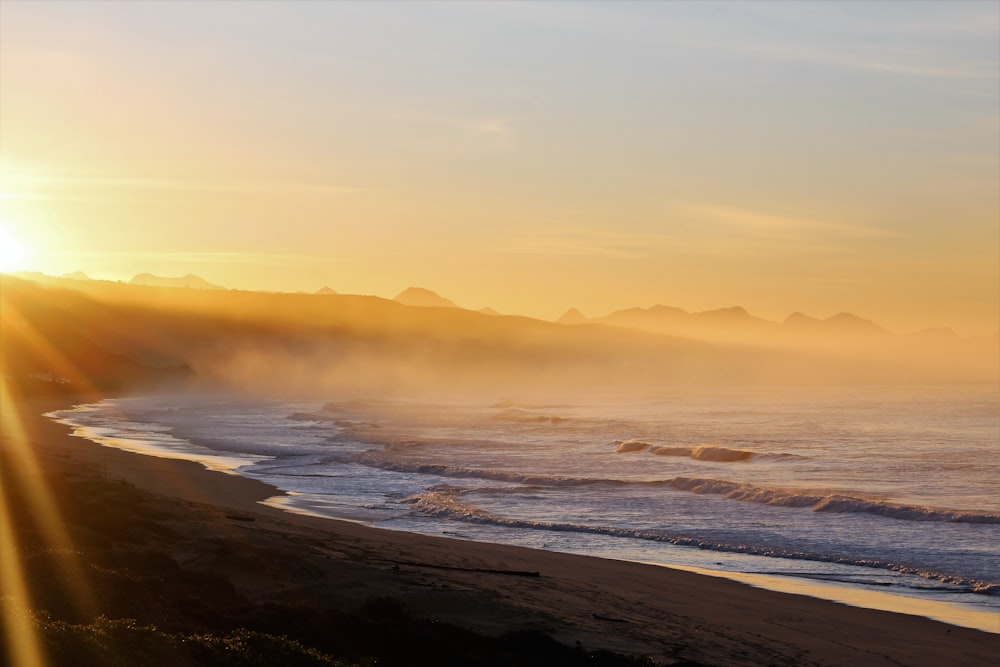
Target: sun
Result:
[[14, 253]]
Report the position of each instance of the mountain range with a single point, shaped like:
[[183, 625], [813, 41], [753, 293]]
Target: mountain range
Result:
[[189, 281], [732, 325], [735, 325], [112, 333], [425, 298]]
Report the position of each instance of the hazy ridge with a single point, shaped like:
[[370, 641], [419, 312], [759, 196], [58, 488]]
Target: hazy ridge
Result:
[[109, 333]]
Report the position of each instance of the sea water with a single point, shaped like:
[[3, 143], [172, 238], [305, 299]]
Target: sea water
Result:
[[850, 494]]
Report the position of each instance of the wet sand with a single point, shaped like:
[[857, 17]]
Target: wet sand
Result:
[[212, 525]]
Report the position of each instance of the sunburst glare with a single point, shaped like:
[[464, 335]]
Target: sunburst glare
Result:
[[15, 254]]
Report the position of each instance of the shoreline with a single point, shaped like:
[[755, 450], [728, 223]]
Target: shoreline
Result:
[[665, 613], [952, 613]]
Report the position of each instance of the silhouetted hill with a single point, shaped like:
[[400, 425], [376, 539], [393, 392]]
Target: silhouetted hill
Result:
[[798, 319], [418, 296], [326, 290], [734, 325], [47, 346], [572, 316], [731, 315], [839, 324], [119, 333], [256, 341], [189, 281], [487, 311], [31, 275], [77, 275]]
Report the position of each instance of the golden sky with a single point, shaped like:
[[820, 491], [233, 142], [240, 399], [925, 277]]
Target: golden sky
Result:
[[819, 157]]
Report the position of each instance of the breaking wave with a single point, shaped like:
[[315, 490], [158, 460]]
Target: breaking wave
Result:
[[826, 502], [630, 445], [715, 453], [374, 460], [444, 502], [817, 501], [706, 453]]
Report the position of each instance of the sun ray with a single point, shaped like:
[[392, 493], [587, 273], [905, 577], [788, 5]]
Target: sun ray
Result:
[[21, 331], [24, 481], [23, 645]]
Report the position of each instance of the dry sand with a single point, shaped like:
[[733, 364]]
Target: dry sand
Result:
[[213, 522]]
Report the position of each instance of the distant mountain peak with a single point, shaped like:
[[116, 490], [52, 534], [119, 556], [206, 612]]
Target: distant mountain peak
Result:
[[488, 311], [733, 312], [660, 309], [572, 316], [841, 323], [190, 281], [853, 322], [799, 319], [77, 275], [326, 290], [419, 296]]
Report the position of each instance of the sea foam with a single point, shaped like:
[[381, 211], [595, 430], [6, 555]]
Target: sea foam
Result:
[[444, 501], [826, 502]]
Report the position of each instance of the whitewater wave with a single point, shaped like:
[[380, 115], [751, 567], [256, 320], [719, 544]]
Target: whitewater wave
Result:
[[374, 460], [817, 501], [814, 500], [624, 446], [706, 453], [715, 453], [444, 502], [825, 502]]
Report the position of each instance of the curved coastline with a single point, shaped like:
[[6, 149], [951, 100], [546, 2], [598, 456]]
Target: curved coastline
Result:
[[283, 501]]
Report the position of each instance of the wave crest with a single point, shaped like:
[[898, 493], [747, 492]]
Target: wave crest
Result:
[[816, 500], [625, 446], [716, 453], [373, 460], [444, 502], [823, 502]]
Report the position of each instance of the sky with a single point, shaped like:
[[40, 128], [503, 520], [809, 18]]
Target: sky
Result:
[[782, 156]]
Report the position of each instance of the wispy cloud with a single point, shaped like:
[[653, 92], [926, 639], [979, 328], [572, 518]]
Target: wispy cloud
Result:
[[43, 183], [188, 258], [763, 223]]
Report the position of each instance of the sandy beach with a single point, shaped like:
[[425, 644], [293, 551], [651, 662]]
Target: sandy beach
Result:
[[227, 559]]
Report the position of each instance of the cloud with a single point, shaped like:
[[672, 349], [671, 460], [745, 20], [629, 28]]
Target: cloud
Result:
[[762, 223], [42, 183], [189, 257]]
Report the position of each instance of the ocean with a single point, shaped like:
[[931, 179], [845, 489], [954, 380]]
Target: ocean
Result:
[[887, 497]]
